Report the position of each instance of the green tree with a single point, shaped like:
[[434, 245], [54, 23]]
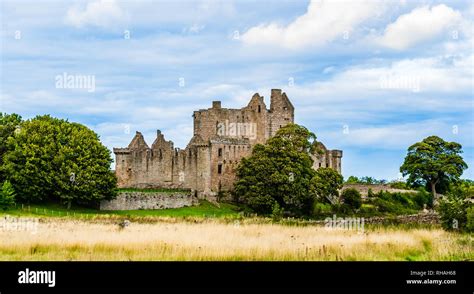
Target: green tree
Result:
[[368, 180], [54, 159], [352, 198], [352, 180], [7, 196], [325, 185], [279, 172], [456, 208], [433, 161], [8, 124]]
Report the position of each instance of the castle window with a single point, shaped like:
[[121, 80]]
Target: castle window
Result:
[[320, 164], [285, 108], [287, 118], [219, 152], [259, 109], [219, 168]]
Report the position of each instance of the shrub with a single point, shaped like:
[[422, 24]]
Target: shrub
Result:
[[386, 206], [403, 198], [368, 209], [453, 212], [423, 197], [277, 212], [391, 206], [470, 219], [322, 208], [352, 198], [370, 193], [399, 185], [342, 208], [7, 196]]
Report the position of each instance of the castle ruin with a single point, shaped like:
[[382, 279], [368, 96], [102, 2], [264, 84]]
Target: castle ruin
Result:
[[222, 136]]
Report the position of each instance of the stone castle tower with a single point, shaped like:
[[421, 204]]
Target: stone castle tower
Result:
[[222, 136]]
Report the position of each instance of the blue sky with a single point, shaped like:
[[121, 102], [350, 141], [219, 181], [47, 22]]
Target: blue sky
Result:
[[368, 77]]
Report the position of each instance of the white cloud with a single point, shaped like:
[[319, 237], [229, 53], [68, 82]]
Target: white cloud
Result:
[[429, 78], [400, 136], [323, 22], [101, 13], [421, 24]]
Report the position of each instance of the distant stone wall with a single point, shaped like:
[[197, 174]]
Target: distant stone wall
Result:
[[428, 217], [149, 200], [364, 189], [420, 218]]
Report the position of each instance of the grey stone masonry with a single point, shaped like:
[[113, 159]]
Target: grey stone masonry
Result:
[[149, 200]]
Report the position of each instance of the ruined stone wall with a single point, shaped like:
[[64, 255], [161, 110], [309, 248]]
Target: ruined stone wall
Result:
[[364, 189], [430, 218], [141, 167], [222, 137], [248, 122], [149, 200], [328, 158], [281, 112], [225, 157]]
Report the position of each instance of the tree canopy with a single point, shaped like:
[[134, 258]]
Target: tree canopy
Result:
[[279, 172], [325, 185], [50, 158], [8, 124], [433, 161]]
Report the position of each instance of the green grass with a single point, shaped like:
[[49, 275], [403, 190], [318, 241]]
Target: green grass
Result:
[[204, 209]]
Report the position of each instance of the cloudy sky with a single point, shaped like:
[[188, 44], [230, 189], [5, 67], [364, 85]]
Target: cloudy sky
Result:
[[368, 77]]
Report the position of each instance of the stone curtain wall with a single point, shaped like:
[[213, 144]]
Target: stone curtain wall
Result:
[[149, 200], [364, 189]]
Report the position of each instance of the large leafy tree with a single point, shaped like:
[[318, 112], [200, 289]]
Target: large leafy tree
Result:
[[8, 124], [279, 172], [51, 158], [325, 185], [433, 161]]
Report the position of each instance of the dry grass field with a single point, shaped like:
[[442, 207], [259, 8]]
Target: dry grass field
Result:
[[68, 239]]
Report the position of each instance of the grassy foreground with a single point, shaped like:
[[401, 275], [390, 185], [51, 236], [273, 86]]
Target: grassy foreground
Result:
[[204, 209], [68, 239]]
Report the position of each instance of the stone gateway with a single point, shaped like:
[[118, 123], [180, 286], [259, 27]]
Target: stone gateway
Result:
[[222, 136]]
